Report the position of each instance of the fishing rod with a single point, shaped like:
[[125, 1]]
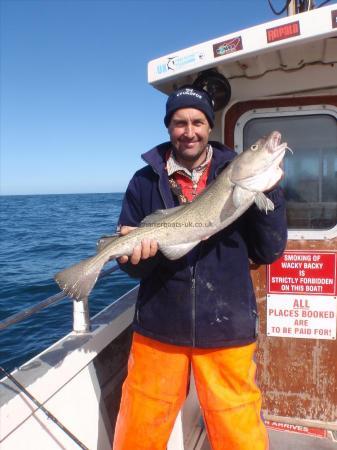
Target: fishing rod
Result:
[[43, 409]]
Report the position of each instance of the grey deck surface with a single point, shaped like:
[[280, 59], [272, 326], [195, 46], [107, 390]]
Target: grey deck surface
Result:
[[282, 440]]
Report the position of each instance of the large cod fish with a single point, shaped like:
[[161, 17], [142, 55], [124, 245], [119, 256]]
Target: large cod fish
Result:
[[177, 230]]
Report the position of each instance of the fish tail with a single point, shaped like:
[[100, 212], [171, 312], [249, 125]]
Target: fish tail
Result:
[[78, 280]]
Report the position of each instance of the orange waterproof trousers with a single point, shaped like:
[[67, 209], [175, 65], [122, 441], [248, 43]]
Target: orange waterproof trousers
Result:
[[156, 387]]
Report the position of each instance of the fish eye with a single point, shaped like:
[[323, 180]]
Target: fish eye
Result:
[[254, 147]]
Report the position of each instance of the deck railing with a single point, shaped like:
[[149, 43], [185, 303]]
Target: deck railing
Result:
[[81, 319]]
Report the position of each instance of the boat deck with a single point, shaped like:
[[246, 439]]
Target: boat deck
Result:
[[281, 440]]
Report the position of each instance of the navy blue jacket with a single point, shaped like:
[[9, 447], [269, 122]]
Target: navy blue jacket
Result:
[[204, 299]]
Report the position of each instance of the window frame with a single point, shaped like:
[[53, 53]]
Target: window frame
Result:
[[283, 111]]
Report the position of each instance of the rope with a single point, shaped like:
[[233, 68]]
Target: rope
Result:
[[43, 409]]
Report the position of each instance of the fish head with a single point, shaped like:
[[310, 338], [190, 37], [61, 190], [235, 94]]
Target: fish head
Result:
[[258, 167]]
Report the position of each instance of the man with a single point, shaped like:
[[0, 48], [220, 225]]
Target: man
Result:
[[198, 311]]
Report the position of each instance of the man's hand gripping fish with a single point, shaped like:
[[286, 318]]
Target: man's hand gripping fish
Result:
[[178, 230]]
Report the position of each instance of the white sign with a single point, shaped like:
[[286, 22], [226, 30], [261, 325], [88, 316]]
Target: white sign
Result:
[[301, 316]]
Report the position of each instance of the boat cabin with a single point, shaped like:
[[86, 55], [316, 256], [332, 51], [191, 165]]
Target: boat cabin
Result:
[[283, 76]]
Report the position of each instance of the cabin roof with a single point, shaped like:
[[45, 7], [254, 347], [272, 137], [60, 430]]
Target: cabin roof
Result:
[[306, 42]]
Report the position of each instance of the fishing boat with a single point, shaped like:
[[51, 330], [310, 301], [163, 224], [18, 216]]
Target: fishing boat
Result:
[[278, 75]]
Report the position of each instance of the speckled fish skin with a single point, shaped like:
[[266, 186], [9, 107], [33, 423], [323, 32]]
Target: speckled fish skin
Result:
[[178, 230]]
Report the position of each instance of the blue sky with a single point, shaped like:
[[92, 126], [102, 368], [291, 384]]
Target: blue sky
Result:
[[76, 108]]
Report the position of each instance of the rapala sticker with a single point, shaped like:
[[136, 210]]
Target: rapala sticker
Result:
[[334, 18], [176, 63], [228, 46], [283, 32]]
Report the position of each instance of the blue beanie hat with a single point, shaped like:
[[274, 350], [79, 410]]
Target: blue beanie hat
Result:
[[189, 97]]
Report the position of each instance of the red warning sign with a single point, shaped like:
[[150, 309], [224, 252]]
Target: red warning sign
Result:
[[303, 272]]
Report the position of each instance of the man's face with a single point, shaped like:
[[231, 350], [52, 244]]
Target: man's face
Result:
[[189, 131]]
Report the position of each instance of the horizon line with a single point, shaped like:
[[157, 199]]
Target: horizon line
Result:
[[62, 193]]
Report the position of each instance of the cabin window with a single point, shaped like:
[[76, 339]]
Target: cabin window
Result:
[[310, 181]]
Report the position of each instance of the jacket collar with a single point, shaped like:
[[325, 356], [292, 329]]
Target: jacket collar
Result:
[[156, 157]]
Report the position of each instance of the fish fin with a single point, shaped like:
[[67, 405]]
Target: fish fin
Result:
[[78, 280], [263, 202], [104, 241], [178, 250], [238, 195], [160, 214]]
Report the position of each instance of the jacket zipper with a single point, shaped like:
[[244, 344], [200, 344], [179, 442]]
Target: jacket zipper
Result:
[[194, 296], [193, 308]]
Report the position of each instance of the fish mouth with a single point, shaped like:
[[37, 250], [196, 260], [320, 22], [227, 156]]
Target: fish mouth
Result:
[[278, 153], [276, 148], [274, 141]]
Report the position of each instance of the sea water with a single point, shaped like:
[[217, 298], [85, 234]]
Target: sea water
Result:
[[40, 235]]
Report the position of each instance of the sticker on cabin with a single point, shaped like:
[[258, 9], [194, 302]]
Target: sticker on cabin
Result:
[[228, 46], [302, 296], [281, 32], [303, 272], [294, 428], [176, 63], [334, 18]]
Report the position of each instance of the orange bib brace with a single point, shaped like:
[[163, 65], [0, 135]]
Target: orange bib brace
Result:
[[156, 386]]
